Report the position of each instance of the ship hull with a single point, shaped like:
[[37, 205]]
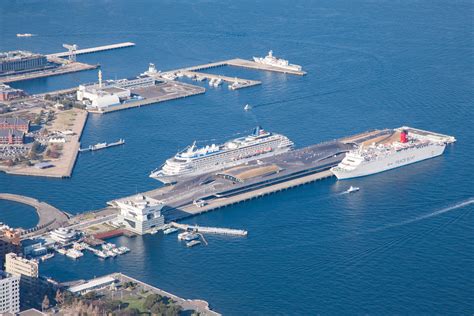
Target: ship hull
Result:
[[396, 160], [170, 179]]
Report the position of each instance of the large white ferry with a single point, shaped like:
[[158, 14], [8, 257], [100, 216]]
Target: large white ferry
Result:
[[276, 62], [195, 161], [382, 156]]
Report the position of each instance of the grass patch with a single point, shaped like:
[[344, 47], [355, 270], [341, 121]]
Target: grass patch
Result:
[[135, 303]]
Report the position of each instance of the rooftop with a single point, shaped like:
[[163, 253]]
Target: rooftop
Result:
[[13, 121], [102, 281], [9, 131], [17, 55]]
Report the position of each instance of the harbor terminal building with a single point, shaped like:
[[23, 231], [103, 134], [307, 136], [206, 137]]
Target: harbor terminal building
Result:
[[108, 93], [140, 214]]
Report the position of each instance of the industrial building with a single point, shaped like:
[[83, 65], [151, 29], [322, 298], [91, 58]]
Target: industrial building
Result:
[[110, 92], [9, 294], [8, 93], [18, 61], [101, 97], [140, 214]]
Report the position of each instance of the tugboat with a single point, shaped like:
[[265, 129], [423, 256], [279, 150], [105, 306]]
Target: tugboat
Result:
[[352, 189]]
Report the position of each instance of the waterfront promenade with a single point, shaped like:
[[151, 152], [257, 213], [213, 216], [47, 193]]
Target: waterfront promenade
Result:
[[49, 216]]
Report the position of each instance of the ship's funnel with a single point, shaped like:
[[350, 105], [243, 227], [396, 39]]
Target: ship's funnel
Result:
[[257, 130], [403, 137]]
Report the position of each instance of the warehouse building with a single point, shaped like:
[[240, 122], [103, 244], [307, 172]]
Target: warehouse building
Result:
[[11, 137], [17, 61], [8, 93], [14, 123]]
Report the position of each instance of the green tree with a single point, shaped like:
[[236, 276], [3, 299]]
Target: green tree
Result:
[[151, 300], [33, 151], [92, 295], [129, 312]]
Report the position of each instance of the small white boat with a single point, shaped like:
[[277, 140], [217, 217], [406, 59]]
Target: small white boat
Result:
[[218, 82], [193, 243], [170, 230], [191, 236], [182, 236], [47, 256], [352, 189], [247, 107], [24, 35], [101, 254], [74, 254]]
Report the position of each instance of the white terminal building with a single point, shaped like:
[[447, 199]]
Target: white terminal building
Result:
[[110, 92], [140, 214], [64, 235]]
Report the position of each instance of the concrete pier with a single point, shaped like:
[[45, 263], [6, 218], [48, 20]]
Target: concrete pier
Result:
[[161, 92], [49, 216], [94, 49], [242, 83], [239, 62], [211, 230]]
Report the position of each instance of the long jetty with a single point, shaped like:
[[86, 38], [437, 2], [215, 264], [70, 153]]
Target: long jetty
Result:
[[49, 216], [239, 62], [211, 230], [93, 49]]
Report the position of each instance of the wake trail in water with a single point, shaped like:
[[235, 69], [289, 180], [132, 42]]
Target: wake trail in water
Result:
[[426, 216]]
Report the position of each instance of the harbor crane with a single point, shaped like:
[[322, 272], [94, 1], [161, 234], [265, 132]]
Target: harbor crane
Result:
[[72, 52]]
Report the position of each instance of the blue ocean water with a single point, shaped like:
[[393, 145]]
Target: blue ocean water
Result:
[[402, 245], [16, 214]]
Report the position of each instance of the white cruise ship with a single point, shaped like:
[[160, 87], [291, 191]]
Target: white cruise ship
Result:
[[276, 62], [375, 158], [195, 161]]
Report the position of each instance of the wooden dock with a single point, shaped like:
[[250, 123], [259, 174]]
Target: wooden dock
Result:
[[93, 49]]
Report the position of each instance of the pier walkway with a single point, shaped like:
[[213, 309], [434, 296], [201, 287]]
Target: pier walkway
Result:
[[93, 49], [239, 62], [211, 230], [49, 216], [242, 83], [192, 210]]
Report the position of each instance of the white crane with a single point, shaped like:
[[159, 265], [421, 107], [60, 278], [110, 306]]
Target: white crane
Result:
[[72, 52]]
